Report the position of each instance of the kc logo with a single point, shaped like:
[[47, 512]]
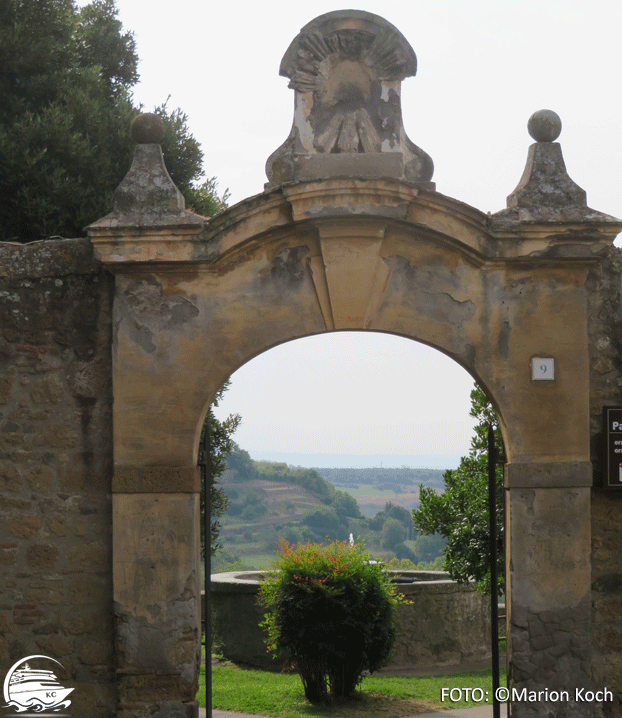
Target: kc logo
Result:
[[36, 689]]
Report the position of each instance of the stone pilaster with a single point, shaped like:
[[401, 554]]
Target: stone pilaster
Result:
[[548, 524], [156, 574]]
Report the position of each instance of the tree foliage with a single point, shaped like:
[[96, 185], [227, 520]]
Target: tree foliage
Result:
[[460, 513], [66, 76], [393, 533], [345, 505], [239, 460], [221, 445], [324, 523], [102, 43]]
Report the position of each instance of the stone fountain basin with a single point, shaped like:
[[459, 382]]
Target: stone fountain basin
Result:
[[446, 625]]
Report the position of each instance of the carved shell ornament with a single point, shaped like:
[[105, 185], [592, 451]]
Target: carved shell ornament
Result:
[[346, 70], [343, 72], [382, 52]]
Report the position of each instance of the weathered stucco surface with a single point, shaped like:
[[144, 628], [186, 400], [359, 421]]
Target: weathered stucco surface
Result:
[[381, 255]]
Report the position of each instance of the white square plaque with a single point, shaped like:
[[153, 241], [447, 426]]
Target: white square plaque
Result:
[[543, 368]]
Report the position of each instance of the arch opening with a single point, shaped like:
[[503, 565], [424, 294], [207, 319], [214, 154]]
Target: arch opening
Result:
[[309, 374], [373, 361]]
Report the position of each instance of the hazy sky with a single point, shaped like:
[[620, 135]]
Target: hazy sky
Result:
[[353, 393], [483, 68]]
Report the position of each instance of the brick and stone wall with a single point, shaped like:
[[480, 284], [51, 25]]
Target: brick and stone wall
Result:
[[56, 465], [605, 314]]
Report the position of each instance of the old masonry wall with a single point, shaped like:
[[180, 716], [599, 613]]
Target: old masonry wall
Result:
[[56, 466], [605, 323]]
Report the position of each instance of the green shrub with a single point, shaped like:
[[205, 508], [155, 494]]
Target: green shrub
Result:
[[331, 614]]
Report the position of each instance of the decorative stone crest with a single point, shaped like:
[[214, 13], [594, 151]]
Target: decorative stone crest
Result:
[[346, 69]]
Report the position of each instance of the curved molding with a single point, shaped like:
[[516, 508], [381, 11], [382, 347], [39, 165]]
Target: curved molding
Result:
[[353, 33], [304, 207]]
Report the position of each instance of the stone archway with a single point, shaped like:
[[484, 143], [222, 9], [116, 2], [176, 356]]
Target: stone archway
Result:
[[354, 239]]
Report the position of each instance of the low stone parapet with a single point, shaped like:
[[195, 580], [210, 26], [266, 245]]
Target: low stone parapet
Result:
[[446, 624]]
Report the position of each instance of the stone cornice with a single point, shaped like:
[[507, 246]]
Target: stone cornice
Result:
[[301, 206]]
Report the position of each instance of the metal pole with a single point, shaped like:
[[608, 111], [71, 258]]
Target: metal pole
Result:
[[494, 599], [207, 542]]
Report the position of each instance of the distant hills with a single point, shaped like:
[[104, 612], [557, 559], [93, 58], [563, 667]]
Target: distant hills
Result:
[[389, 478], [270, 500], [440, 462], [373, 487]]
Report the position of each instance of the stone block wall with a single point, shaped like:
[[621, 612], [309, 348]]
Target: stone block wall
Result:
[[447, 624], [444, 623], [56, 466], [605, 315]]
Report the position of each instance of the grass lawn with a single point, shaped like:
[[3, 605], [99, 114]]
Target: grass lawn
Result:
[[281, 694]]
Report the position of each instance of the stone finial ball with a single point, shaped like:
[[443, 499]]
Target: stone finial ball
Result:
[[147, 129], [544, 126]]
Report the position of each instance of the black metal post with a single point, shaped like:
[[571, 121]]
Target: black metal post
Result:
[[494, 599], [207, 542]]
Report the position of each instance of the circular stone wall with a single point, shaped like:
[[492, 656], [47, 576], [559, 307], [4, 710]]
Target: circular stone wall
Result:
[[446, 624]]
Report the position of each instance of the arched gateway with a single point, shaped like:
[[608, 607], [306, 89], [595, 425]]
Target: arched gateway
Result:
[[350, 234]]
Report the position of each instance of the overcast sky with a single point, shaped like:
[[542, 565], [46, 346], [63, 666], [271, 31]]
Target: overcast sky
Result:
[[483, 68]]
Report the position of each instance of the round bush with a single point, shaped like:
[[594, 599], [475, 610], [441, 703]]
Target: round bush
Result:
[[331, 613]]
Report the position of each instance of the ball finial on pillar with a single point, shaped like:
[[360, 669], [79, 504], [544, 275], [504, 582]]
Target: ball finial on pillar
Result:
[[147, 129], [544, 126]]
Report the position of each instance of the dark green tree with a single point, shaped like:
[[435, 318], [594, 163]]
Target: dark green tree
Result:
[[102, 43], [460, 513], [392, 533], [66, 76], [345, 505], [221, 445], [240, 461], [427, 548], [402, 551], [323, 522]]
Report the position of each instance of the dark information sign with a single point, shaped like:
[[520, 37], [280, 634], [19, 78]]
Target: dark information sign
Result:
[[613, 433]]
